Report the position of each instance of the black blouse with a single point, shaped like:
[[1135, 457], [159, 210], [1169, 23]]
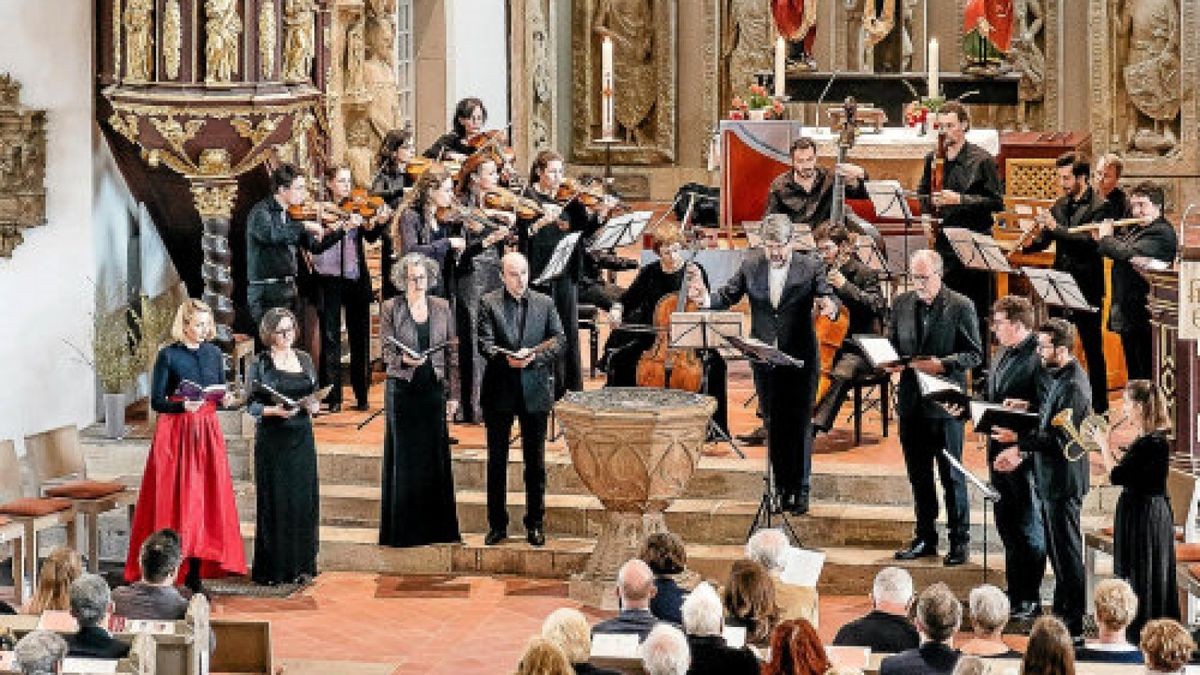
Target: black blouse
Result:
[[448, 142], [176, 362], [539, 247], [1143, 469]]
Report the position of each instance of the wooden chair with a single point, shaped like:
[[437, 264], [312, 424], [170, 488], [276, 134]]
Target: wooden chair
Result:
[[33, 514], [12, 531], [56, 457]]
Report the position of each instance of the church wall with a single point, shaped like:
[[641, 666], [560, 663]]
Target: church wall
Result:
[[477, 57]]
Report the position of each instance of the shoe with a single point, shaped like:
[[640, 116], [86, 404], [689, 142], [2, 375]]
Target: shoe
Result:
[[917, 549], [785, 501], [362, 407], [799, 505], [958, 555], [494, 537], [536, 536], [335, 407], [453, 441], [756, 437], [1025, 611]]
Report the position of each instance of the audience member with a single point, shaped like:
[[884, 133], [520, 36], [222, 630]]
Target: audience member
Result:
[[40, 652], [989, 608], [939, 614], [769, 548], [154, 596], [1049, 651], [664, 553], [703, 621], [750, 601], [796, 650], [60, 569], [969, 664], [1166, 646], [91, 603], [635, 585], [886, 628], [665, 651], [1116, 606], [543, 657], [569, 629]]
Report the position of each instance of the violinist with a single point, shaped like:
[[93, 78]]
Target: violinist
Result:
[[857, 286], [344, 282], [391, 176], [542, 236], [469, 117], [633, 316], [416, 227], [805, 192]]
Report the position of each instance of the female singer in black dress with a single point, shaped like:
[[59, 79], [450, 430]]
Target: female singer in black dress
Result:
[[186, 485], [391, 179], [285, 456], [469, 117], [1144, 527], [540, 239], [416, 228], [418, 486]]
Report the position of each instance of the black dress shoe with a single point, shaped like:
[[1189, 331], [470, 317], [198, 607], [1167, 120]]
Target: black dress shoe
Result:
[[917, 549], [756, 437], [958, 555], [536, 536], [362, 407], [1025, 611], [494, 537], [335, 407], [799, 505]]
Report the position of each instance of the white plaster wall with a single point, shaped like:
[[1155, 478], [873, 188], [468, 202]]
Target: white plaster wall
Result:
[[477, 57]]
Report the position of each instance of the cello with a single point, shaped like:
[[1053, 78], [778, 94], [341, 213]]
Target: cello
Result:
[[832, 332]]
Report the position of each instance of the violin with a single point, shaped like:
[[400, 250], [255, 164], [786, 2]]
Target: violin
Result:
[[417, 166], [362, 203], [322, 212], [501, 199], [492, 141], [570, 190], [475, 221]]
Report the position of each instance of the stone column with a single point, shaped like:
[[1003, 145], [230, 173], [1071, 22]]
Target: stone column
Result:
[[214, 202]]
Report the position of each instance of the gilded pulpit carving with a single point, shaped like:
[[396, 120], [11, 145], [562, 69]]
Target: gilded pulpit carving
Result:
[[139, 40], [222, 29], [298, 39], [22, 166]]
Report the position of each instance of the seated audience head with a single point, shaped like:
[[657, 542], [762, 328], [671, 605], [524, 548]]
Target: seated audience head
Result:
[[1049, 651], [40, 652], [665, 651], [543, 657], [635, 583], [161, 556], [1116, 607], [989, 610], [664, 553], [569, 629], [60, 569], [702, 612], [939, 613], [750, 598], [893, 591], [768, 547], [969, 664], [1166, 646], [91, 599], [796, 650]]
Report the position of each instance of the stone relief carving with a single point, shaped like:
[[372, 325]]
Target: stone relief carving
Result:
[[22, 166], [299, 39], [360, 149], [745, 35], [379, 76], [139, 40], [222, 28], [542, 113], [266, 39], [1150, 38], [353, 77], [172, 39]]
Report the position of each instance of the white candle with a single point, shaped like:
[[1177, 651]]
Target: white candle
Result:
[[934, 89], [606, 88], [780, 60]]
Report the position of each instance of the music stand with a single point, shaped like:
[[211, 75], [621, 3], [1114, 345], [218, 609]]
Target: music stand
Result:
[[558, 259], [988, 493], [1057, 289], [768, 506], [706, 330], [981, 253], [620, 231], [869, 254]]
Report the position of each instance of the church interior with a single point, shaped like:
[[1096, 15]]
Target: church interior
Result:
[[592, 336]]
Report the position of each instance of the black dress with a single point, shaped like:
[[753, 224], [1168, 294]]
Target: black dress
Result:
[[1144, 531], [418, 486], [285, 476]]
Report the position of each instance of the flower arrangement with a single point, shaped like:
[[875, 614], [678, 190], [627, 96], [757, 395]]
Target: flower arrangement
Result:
[[119, 351], [756, 105], [916, 113]]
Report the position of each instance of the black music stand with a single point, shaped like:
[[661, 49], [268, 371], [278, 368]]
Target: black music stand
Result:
[[981, 253], [768, 505], [703, 330], [989, 494]]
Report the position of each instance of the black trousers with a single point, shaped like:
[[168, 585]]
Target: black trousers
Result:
[[533, 449], [354, 296], [789, 405], [1019, 521], [922, 440], [1091, 337], [1137, 343], [1064, 545], [978, 287], [847, 368]]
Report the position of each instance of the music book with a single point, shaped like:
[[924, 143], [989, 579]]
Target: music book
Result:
[[615, 645], [290, 403], [985, 416], [190, 391], [942, 390], [81, 666], [854, 658], [802, 567], [735, 636], [412, 353], [879, 351]]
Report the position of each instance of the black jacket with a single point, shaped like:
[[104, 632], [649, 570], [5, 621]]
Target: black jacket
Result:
[[502, 384], [786, 196], [667, 603], [637, 621], [1058, 478], [273, 239], [930, 658], [1076, 252], [1016, 373], [883, 632], [951, 333], [95, 642], [862, 296], [711, 656], [1128, 309]]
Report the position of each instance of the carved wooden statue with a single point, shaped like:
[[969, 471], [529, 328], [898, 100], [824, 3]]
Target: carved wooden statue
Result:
[[379, 75], [139, 40], [223, 27], [22, 166], [298, 39], [631, 25], [539, 122], [743, 44], [1151, 74], [356, 54]]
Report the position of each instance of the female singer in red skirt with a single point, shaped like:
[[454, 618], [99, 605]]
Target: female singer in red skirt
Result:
[[186, 485]]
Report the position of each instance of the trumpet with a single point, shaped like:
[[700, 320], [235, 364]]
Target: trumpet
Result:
[[1084, 436]]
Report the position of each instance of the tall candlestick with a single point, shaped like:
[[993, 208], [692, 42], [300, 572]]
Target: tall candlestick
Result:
[[607, 116], [780, 60], [934, 90]]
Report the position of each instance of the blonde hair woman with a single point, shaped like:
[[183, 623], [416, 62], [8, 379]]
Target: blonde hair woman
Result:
[[59, 570], [543, 657]]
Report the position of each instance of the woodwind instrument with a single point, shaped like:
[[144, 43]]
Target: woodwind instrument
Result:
[[1095, 227]]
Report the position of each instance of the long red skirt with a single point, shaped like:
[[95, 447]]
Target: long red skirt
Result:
[[187, 487]]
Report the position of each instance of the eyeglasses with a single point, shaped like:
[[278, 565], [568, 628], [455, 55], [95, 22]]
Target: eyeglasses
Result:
[[284, 330]]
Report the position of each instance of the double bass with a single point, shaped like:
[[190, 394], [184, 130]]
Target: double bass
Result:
[[832, 332]]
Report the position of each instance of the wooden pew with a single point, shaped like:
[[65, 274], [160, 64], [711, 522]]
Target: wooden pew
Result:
[[242, 647], [139, 662]]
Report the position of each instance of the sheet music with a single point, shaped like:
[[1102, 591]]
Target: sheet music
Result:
[[615, 645], [802, 567], [878, 350], [558, 259], [735, 636], [718, 325], [887, 196], [620, 231]]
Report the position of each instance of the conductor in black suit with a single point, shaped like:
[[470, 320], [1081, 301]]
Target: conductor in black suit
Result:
[[784, 287], [938, 328], [517, 384]]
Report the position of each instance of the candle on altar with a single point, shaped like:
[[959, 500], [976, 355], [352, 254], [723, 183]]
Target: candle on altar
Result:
[[780, 60], [607, 116], [934, 90]]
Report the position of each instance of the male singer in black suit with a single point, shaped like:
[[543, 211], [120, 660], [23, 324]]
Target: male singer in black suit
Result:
[[938, 328], [1060, 466], [784, 287], [857, 286], [517, 384], [1129, 312], [1076, 253]]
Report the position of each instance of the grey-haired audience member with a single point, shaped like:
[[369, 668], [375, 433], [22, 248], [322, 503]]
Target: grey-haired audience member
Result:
[[91, 603], [665, 651], [40, 653]]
